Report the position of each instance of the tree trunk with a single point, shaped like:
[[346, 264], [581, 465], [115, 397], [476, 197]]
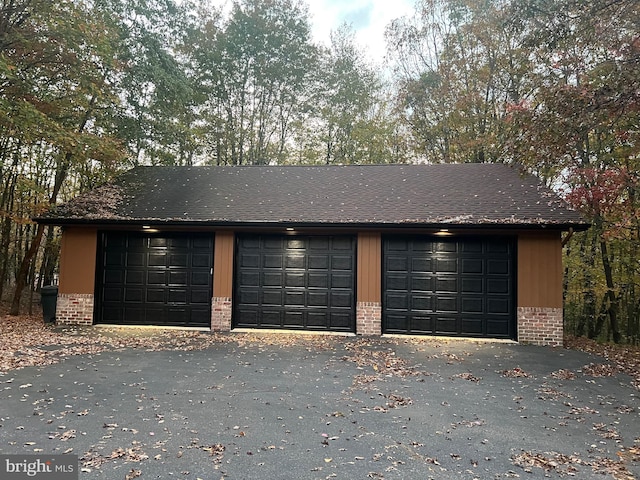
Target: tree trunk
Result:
[[23, 272], [613, 300]]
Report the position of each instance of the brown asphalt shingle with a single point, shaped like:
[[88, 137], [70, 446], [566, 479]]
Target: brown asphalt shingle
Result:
[[408, 195]]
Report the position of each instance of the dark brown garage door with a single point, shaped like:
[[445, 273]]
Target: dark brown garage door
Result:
[[155, 279], [295, 282], [456, 287]]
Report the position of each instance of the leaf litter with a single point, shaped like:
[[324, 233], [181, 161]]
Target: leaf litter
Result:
[[26, 341]]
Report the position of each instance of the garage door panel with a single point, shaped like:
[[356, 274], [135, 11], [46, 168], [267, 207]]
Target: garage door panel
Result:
[[114, 277], [318, 262], [178, 295], [294, 280], [499, 247], [447, 325], [396, 323], [114, 258], [396, 264], [498, 305], [420, 303], [113, 294], [318, 299], [305, 280], [113, 315], [340, 321], [424, 265], [471, 284], [498, 285], [322, 280], [153, 295], [155, 275], [249, 260], [472, 246], [250, 279], [158, 260], [292, 319], [155, 242], [135, 259], [397, 282], [294, 298], [498, 327], [135, 295], [397, 301], [497, 267], [446, 304], [446, 265], [341, 262], [421, 284], [200, 297], [446, 284], [272, 279], [321, 243], [272, 260], [178, 277], [179, 260], [472, 305], [249, 297], [472, 326], [269, 318], [295, 262], [341, 299], [469, 291], [341, 280], [273, 243], [318, 319], [202, 260], [471, 265], [249, 317], [420, 324], [200, 279], [445, 247], [271, 297]]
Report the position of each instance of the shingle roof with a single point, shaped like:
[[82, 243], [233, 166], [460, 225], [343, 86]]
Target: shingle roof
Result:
[[407, 195]]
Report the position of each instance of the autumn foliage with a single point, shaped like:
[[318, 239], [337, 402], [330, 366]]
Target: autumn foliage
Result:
[[88, 89]]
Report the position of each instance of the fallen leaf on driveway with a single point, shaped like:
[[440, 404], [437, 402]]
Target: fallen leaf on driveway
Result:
[[133, 474], [516, 372]]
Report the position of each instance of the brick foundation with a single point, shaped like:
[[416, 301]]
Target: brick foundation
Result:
[[221, 314], [368, 318], [540, 326], [74, 309]]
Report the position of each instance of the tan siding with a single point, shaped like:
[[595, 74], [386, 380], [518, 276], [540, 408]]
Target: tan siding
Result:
[[369, 267], [78, 260], [223, 265], [540, 270]]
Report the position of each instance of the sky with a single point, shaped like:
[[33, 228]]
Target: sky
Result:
[[367, 17]]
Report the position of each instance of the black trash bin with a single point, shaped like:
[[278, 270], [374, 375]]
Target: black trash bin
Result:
[[49, 299]]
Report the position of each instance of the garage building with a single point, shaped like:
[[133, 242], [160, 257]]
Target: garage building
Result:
[[468, 250]]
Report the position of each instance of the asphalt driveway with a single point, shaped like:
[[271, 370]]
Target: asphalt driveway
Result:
[[328, 407]]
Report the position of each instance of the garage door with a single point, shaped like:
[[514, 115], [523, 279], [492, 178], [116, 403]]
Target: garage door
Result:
[[456, 287], [155, 279], [295, 282]]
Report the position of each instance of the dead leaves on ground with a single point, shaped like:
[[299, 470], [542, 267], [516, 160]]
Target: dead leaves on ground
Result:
[[26, 341], [516, 372], [367, 353], [94, 459], [566, 464], [625, 358]]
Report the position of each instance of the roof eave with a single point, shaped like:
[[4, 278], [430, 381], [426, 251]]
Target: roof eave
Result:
[[564, 226]]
